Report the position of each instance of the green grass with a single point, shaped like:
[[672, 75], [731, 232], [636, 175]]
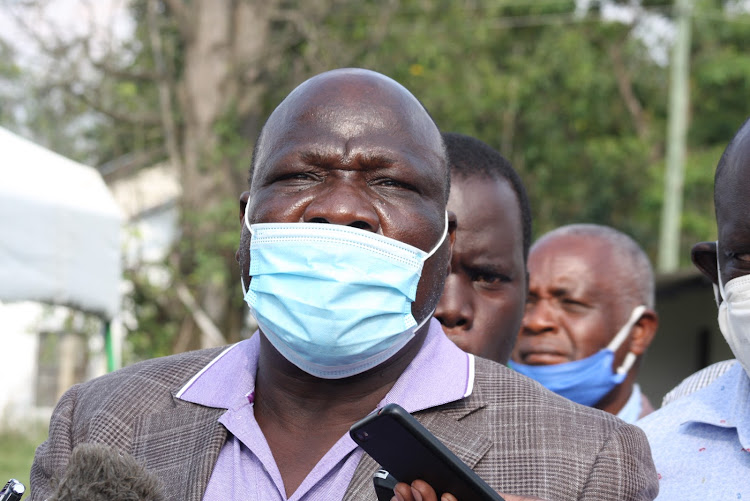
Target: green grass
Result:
[[17, 453]]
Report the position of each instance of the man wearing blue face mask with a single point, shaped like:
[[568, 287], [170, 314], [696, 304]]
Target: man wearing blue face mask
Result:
[[589, 318], [701, 438], [344, 248]]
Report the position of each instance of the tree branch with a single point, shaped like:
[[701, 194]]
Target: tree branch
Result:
[[163, 85], [211, 334], [112, 71], [625, 86], [185, 23], [143, 119]]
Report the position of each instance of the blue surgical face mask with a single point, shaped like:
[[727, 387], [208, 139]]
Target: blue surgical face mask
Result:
[[588, 380], [333, 300]]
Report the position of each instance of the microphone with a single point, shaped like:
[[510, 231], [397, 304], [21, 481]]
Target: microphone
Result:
[[13, 491], [97, 472]]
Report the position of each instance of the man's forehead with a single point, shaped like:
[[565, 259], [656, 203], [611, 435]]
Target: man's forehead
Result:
[[346, 107], [586, 258], [351, 95]]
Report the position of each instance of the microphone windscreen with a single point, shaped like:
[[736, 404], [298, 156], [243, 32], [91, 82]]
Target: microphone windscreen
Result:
[[97, 472]]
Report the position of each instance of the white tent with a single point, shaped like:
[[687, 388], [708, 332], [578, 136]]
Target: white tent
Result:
[[59, 230]]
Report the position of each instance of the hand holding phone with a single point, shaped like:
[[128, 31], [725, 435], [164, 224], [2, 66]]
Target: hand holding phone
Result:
[[408, 451]]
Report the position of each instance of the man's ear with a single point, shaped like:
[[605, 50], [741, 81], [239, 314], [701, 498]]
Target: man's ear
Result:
[[243, 205], [643, 332], [703, 255]]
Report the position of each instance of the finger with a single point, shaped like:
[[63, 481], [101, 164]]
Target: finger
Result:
[[402, 492], [422, 491], [448, 497]]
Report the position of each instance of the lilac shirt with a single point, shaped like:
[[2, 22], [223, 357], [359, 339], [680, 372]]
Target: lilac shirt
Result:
[[246, 470]]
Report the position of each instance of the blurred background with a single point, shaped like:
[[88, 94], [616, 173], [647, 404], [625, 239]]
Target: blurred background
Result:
[[613, 112]]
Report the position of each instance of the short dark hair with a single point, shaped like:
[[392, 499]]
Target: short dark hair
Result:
[[469, 157]]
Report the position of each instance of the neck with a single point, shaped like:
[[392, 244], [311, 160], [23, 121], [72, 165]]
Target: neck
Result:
[[290, 395], [615, 400]]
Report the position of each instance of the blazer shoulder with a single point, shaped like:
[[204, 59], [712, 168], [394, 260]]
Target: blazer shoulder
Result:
[[169, 370], [535, 431], [143, 387], [505, 388]]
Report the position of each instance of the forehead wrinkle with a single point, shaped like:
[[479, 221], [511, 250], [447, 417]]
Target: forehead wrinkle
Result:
[[357, 102], [347, 159]]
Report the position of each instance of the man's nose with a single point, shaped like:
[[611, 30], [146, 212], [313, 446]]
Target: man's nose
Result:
[[343, 203], [454, 311], [538, 318]]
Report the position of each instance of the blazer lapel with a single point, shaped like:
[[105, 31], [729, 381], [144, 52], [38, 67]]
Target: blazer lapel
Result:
[[181, 447], [444, 423]]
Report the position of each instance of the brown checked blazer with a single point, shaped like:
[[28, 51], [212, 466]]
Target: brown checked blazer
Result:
[[521, 438]]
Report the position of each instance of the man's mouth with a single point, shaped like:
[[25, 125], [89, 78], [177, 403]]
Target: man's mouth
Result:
[[543, 356]]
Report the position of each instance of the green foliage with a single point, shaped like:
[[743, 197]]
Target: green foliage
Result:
[[10, 74], [18, 454], [578, 105], [153, 329], [720, 77], [539, 85]]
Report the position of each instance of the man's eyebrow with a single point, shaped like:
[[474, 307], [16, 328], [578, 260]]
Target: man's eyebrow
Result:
[[315, 158], [375, 160], [366, 159]]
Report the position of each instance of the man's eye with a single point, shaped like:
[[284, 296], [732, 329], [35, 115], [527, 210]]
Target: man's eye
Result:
[[489, 278], [293, 177], [573, 304], [743, 257], [394, 183]]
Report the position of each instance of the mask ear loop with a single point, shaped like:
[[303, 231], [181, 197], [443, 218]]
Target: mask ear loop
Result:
[[442, 239], [620, 337], [429, 255], [247, 222], [242, 279], [718, 290]]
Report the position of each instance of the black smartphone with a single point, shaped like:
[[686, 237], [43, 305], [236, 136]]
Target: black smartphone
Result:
[[408, 451]]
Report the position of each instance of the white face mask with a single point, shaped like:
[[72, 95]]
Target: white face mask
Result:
[[734, 315]]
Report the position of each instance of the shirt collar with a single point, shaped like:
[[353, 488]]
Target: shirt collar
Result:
[[725, 403], [631, 411], [440, 373]]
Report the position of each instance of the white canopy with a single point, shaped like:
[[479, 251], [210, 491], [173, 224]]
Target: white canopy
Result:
[[59, 230]]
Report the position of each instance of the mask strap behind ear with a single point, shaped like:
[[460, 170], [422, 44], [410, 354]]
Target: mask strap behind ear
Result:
[[719, 294], [627, 363], [630, 358], [625, 331], [442, 239]]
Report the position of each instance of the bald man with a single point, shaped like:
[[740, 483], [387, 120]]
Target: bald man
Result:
[[589, 318], [701, 439], [344, 247]]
